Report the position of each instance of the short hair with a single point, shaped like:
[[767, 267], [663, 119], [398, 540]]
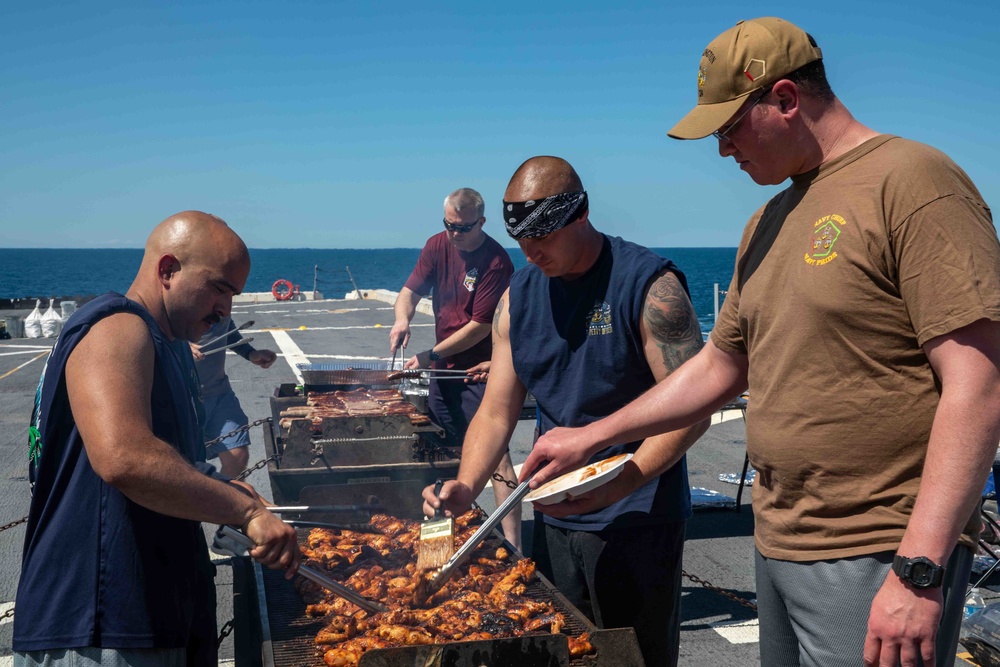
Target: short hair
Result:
[[465, 198], [811, 79]]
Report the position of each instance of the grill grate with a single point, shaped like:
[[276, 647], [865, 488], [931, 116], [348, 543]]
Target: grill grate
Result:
[[293, 633]]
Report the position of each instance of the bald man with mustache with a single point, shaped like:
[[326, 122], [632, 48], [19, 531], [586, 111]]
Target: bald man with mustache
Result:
[[115, 568]]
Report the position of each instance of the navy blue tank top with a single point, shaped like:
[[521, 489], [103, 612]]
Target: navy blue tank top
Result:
[[98, 569], [577, 347]]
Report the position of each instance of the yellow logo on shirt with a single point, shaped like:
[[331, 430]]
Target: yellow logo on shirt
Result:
[[826, 231], [599, 320]]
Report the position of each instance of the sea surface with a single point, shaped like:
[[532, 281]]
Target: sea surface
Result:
[[68, 273]]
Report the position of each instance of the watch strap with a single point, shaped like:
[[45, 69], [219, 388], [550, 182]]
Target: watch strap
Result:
[[904, 567]]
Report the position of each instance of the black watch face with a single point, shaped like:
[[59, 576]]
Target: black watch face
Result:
[[921, 574]]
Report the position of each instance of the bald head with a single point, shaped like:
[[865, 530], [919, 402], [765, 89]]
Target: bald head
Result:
[[541, 177], [194, 236], [192, 266]]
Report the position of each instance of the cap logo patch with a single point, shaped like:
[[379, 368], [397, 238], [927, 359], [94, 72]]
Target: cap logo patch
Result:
[[755, 69], [702, 75]]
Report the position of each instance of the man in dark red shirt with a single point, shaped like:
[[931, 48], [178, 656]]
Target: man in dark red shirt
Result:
[[467, 272]]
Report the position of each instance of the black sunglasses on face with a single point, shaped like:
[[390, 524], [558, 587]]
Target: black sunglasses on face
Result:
[[461, 229]]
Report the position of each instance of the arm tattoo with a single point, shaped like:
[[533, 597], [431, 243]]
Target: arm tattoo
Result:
[[672, 321], [496, 318]]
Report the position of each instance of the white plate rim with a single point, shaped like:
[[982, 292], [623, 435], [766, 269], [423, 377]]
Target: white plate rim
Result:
[[580, 488]]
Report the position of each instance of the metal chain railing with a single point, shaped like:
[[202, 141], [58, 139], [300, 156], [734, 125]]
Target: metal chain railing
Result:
[[724, 593], [7, 614], [257, 466], [227, 630], [13, 523], [236, 431]]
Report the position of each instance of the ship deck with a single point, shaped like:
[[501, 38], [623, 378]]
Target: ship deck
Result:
[[719, 549]]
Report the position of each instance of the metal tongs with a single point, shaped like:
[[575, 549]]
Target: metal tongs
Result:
[[429, 374], [445, 573], [315, 576], [321, 509], [241, 341], [243, 326]]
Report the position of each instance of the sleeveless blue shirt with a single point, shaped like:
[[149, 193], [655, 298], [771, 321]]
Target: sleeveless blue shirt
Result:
[[98, 569], [577, 347]]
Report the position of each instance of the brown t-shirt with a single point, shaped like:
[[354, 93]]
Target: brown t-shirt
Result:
[[839, 281]]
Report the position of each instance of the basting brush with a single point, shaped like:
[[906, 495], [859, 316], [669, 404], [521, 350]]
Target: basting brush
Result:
[[437, 538]]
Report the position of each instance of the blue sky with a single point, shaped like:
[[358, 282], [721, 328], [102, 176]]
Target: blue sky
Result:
[[344, 124]]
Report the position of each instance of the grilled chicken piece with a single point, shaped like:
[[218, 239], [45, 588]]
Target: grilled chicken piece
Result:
[[580, 646], [349, 653]]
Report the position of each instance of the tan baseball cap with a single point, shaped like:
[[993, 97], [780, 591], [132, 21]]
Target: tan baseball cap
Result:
[[749, 56]]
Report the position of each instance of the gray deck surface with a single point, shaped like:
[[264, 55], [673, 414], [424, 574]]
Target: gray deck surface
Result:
[[719, 546]]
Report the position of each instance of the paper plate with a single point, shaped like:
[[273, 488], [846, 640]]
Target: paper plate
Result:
[[579, 481]]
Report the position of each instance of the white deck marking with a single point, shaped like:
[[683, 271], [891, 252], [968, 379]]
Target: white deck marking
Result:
[[292, 353], [4, 606], [15, 346], [33, 350], [726, 416], [7, 661], [366, 326], [14, 370], [738, 632]]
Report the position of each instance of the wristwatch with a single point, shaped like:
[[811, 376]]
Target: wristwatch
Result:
[[919, 572], [432, 355]]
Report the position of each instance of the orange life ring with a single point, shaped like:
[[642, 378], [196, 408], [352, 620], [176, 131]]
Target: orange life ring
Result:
[[288, 293]]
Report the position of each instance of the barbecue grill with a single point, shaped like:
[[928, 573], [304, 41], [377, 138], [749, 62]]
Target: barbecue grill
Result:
[[377, 462], [367, 459]]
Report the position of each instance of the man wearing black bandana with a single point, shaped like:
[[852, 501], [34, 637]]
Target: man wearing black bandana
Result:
[[592, 322]]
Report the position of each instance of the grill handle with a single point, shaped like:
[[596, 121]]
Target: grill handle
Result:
[[314, 576]]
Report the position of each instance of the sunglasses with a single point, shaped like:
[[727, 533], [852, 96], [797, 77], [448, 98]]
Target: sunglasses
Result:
[[723, 135], [461, 229]]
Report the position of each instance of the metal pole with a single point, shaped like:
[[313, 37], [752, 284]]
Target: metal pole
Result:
[[356, 290], [716, 302], [315, 272]]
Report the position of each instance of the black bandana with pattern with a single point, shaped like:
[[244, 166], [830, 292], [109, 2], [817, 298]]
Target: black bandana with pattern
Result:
[[541, 217]]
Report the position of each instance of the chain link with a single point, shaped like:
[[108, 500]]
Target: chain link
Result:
[[7, 614], [258, 466], [500, 478], [716, 589], [435, 449], [235, 431], [12, 524], [227, 630]]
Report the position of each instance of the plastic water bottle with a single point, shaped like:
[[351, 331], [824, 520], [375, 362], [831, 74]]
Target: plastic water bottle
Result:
[[973, 603]]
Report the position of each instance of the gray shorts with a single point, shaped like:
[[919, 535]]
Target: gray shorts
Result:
[[96, 657], [223, 413], [815, 614]]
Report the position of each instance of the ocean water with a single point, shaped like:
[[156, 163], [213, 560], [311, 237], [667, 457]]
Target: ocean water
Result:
[[43, 273]]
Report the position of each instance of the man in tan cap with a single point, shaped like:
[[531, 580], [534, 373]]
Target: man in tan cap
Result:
[[864, 316]]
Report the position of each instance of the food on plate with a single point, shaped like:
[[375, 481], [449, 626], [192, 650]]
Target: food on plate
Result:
[[579, 481]]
